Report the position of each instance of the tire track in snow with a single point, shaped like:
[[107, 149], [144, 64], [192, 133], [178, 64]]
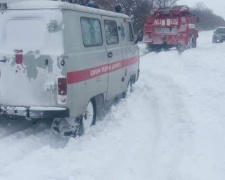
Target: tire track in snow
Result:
[[176, 128], [124, 142]]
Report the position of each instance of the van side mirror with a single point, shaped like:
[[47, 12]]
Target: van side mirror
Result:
[[197, 20], [139, 36]]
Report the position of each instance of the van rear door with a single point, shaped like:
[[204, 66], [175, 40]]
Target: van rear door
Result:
[[27, 53]]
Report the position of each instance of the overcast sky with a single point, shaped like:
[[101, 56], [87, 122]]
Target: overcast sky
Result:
[[218, 6]]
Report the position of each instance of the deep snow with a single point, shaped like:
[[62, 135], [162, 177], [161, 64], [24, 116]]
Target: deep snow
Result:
[[170, 128]]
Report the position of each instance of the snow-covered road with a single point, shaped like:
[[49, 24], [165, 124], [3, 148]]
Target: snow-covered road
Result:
[[172, 127]]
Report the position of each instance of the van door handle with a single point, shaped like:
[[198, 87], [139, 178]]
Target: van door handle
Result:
[[110, 54]]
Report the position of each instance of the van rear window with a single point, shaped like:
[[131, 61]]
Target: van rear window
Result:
[[25, 33], [91, 31]]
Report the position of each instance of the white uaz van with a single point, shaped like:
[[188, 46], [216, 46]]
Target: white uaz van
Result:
[[63, 61]]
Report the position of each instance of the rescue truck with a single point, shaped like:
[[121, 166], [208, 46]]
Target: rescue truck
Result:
[[170, 27], [64, 61]]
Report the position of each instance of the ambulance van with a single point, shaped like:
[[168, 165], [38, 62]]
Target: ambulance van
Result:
[[63, 61]]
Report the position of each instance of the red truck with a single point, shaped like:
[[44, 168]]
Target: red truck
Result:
[[170, 27]]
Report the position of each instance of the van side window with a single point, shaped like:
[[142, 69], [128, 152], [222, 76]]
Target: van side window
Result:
[[91, 32], [111, 32], [131, 34]]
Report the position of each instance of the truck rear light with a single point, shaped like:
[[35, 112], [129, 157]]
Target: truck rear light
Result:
[[62, 86]]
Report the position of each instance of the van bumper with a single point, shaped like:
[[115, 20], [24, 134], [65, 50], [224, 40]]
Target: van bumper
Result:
[[35, 112]]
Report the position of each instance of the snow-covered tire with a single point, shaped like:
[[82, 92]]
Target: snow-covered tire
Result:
[[89, 117], [66, 126], [128, 90], [73, 127]]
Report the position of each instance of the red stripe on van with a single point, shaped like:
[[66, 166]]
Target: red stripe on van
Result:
[[82, 75]]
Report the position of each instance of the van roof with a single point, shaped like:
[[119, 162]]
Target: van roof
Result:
[[49, 4]]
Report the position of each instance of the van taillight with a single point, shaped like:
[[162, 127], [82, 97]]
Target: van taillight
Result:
[[62, 86], [19, 56]]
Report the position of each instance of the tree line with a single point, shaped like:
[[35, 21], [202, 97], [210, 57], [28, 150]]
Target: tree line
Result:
[[138, 10], [208, 20]]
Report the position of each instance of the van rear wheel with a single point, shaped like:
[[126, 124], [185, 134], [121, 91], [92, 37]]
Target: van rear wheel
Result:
[[89, 117], [76, 126]]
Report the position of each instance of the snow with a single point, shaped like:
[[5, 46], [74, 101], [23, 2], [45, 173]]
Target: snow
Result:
[[171, 127], [36, 108], [23, 31]]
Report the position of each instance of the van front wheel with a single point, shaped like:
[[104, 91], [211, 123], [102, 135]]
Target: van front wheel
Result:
[[129, 89]]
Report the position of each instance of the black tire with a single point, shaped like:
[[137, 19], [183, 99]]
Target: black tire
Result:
[[149, 47], [190, 43], [157, 49], [194, 43], [124, 94], [129, 88]]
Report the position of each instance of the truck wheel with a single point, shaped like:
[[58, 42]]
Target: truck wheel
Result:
[[189, 45], [157, 49], [194, 43], [149, 48], [89, 118]]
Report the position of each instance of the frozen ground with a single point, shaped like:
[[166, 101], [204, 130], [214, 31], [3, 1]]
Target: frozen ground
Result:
[[171, 128]]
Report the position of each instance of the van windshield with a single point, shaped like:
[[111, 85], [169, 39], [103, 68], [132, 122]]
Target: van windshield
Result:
[[25, 33]]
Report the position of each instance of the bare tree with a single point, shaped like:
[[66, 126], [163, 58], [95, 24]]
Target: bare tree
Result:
[[81, 2], [208, 20], [164, 3], [137, 9]]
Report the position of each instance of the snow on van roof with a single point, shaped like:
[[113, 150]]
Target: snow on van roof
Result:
[[49, 4]]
